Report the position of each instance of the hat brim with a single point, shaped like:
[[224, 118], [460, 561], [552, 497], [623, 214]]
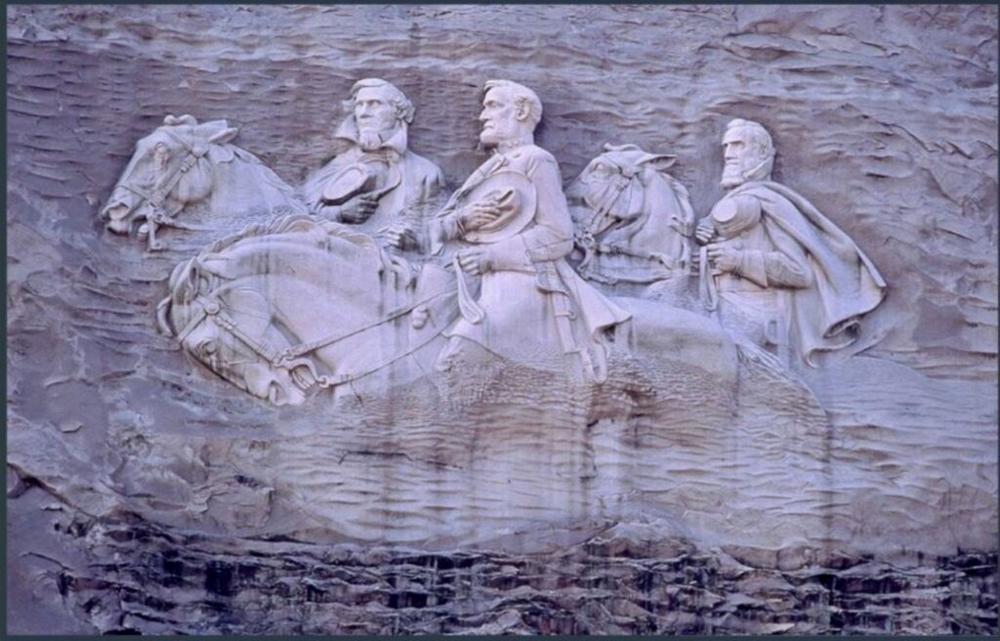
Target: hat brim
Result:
[[346, 183], [512, 222]]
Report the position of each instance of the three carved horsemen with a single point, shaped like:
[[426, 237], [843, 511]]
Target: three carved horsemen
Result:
[[773, 269]]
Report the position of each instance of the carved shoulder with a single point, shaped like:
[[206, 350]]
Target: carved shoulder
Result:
[[428, 170], [532, 157]]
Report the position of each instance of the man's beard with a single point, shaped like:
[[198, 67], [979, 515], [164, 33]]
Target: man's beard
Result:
[[370, 138], [733, 175], [489, 138]]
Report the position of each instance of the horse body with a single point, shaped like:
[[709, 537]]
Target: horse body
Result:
[[183, 164], [286, 308]]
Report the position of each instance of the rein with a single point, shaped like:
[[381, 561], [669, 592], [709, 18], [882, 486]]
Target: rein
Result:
[[292, 357], [588, 244], [157, 198]]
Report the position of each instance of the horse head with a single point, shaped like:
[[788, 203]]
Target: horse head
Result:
[[227, 326], [624, 202], [171, 169]]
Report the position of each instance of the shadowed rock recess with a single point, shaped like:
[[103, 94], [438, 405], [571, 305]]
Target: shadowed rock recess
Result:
[[699, 489]]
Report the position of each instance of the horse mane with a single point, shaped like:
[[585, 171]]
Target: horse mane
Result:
[[290, 223]]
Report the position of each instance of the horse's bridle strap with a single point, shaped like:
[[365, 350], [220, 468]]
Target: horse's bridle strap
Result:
[[212, 308], [158, 196], [305, 348], [227, 323]]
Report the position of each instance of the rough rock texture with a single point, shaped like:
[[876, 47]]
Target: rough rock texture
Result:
[[605, 579], [145, 494]]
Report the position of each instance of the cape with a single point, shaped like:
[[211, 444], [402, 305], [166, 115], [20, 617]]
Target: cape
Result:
[[846, 283]]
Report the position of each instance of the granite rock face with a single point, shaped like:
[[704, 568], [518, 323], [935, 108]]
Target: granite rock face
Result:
[[146, 494]]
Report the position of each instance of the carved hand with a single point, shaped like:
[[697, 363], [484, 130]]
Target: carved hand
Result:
[[475, 261], [705, 231], [479, 214], [724, 258], [359, 209], [401, 237], [420, 317]]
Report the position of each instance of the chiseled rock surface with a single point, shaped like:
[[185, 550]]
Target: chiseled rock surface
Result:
[[603, 579], [145, 494]]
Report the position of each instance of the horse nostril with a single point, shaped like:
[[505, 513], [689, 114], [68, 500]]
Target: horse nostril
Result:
[[117, 221], [114, 211]]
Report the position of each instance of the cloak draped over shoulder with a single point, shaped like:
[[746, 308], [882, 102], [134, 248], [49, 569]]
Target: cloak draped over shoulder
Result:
[[845, 283]]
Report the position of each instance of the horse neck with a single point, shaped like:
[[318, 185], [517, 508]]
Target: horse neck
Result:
[[661, 204], [249, 183]]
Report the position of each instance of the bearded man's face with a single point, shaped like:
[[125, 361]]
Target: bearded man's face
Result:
[[741, 157], [374, 111], [499, 117]]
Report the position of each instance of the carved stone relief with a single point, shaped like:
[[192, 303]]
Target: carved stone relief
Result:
[[428, 317], [184, 164], [376, 182], [775, 271], [772, 266], [634, 222]]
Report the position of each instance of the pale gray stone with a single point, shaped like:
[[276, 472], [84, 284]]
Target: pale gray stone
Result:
[[184, 164], [701, 481]]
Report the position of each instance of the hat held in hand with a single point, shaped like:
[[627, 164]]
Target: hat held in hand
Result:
[[514, 195]]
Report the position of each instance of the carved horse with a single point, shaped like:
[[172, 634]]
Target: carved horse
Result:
[[183, 164], [290, 307], [286, 308], [634, 221]]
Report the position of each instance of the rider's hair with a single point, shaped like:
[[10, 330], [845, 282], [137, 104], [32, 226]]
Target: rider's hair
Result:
[[404, 108], [757, 136], [522, 96]]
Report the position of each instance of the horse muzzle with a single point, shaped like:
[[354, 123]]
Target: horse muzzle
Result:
[[120, 210], [266, 383]]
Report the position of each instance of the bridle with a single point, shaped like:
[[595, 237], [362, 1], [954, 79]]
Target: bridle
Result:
[[587, 240], [292, 357], [157, 198]]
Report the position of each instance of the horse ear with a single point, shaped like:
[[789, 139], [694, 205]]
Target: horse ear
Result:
[[224, 136], [186, 119], [163, 317], [217, 132], [627, 147], [206, 135], [659, 162]]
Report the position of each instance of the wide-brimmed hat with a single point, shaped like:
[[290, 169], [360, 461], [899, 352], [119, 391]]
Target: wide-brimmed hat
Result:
[[735, 214], [359, 177], [516, 197]]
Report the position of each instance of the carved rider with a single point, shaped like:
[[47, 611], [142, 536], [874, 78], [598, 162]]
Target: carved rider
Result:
[[377, 178], [509, 223], [773, 266]]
